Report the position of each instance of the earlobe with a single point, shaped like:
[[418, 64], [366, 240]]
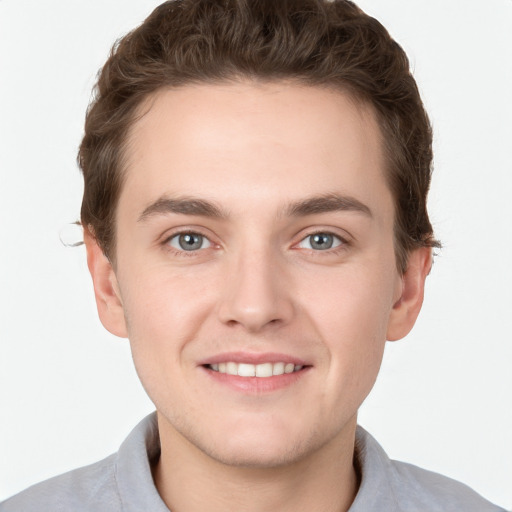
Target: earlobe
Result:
[[408, 305], [106, 289]]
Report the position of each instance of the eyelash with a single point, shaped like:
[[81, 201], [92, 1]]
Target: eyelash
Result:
[[344, 244], [177, 252]]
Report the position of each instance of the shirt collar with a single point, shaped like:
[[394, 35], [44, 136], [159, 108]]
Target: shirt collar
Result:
[[134, 479], [375, 488], [141, 448]]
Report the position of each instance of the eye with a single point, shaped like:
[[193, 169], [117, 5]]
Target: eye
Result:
[[189, 242], [320, 242]]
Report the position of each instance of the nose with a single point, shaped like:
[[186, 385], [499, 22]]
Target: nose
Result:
[[257, 292]]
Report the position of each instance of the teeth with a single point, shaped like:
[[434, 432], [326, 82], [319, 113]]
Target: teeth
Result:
[[289, 367], [255, 370], [246, 370], [231, 368], [263, 370], [278, 369]]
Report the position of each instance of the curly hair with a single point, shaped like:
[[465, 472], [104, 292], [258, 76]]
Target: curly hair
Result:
[[313, 42]]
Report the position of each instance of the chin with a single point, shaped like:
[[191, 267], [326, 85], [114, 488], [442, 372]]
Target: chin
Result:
[[256, 454], [263, 448]]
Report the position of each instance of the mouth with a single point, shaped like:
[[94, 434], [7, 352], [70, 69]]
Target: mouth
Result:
[[262, 370], [255, 373]]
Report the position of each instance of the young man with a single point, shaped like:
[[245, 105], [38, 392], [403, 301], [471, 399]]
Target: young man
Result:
[[255, 218]]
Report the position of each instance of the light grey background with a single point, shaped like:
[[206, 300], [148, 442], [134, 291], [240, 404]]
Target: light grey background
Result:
[[68, 391]]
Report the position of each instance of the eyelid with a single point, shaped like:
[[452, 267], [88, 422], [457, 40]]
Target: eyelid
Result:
[[185, 230], [335, 245], [177, 236], [344, 238]]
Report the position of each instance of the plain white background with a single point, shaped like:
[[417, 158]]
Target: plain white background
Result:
[[68, 391]]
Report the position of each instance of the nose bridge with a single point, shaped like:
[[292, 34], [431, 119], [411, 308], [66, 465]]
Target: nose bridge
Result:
[[255, 293]]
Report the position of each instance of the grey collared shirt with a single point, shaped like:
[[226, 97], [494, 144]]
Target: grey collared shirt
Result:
[[123, 483]]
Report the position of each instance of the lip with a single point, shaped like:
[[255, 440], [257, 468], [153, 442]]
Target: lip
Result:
[[253, 358], [254, 385]]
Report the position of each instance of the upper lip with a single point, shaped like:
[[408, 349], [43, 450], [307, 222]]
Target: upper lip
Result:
[[253, 358]]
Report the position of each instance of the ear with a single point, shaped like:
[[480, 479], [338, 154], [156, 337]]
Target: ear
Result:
[[106, 288], [409, 294]]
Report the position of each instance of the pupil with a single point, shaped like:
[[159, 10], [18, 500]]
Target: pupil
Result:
[[190, 242], [321, 241]]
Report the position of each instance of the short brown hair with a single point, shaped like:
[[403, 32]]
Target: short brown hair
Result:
[[313, 42]]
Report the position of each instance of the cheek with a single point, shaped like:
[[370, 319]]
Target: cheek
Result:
[[351, 315], [351, 304], [160, 298], [164, 311]]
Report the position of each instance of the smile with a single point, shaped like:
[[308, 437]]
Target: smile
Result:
[[255, 370]]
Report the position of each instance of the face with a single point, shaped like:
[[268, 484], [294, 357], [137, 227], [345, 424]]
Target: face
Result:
[[255, 269]]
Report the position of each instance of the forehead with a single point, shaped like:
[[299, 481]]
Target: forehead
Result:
[[273, 141]]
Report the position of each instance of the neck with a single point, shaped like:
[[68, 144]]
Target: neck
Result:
[[188, 480]]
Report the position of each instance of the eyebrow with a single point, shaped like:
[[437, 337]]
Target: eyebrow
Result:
[[327, 203], [184, 206], [313, 205]]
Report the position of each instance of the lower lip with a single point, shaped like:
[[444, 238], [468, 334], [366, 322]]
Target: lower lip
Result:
[[256, 385]]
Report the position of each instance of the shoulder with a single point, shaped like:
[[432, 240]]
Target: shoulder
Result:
[[426, 490], [91, 488], [400, 487], [122, 481]]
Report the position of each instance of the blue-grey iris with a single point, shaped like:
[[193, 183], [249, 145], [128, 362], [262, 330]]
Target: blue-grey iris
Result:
[[190, 241], [321, 241]]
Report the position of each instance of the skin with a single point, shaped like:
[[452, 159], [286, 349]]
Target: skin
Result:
[[257, 153]]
